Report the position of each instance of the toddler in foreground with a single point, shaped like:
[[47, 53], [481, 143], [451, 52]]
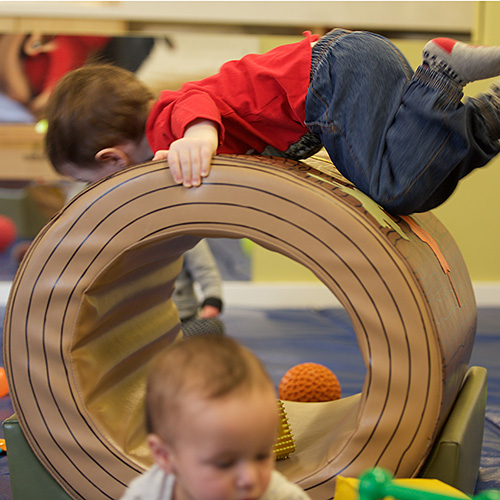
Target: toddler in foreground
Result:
[[404, 138], [213, 420]]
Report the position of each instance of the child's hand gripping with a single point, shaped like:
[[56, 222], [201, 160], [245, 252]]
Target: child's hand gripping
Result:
[[190, 158]]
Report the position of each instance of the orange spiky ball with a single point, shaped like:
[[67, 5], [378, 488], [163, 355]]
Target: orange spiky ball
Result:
[[309, 382]]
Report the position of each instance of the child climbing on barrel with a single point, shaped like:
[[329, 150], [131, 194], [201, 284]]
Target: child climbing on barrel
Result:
[[404, 138], [213, 421]]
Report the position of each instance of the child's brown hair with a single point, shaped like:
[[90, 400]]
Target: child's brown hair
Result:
[[207, 367], [92, 108]]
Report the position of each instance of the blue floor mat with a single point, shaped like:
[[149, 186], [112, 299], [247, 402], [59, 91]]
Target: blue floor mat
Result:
[[486, 353]]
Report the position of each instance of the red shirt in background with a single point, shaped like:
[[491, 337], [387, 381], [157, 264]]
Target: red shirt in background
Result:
[[44, 70]]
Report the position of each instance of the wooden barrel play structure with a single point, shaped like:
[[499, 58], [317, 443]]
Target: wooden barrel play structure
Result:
[[91, 306]]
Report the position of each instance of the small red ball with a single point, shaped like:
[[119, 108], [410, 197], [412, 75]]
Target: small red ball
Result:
[[8, 232], [309, 382]]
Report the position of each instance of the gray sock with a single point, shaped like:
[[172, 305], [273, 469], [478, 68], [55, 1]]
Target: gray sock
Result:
[[461, 62]]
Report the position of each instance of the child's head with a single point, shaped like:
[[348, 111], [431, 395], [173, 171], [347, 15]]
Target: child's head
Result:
[[213, 419], [96, 122]]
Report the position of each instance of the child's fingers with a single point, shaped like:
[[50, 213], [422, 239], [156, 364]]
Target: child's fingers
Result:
[[185, 161], [206, 162], [196, 163], [209, 312], [201, 161], [179, 160], [161, 154], [175, 166], [189, 160]]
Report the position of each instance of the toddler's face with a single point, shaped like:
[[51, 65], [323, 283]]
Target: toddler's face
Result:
[[224, 447]]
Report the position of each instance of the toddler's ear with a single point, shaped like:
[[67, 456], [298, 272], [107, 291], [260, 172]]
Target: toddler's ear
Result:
[[160, 452], [112, 158]]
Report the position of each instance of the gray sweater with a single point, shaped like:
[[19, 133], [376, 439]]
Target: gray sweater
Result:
[[199, 267]]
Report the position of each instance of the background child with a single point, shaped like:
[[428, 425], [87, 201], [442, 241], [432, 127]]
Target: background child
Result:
[[199, 266], [213, 421], [199, 315], [31, 65], [402, 137]]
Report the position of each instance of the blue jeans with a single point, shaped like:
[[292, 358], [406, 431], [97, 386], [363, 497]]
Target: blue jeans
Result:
[[403, 138]]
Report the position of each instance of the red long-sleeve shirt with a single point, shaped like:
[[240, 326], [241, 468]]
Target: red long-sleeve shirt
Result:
[[256, 101]]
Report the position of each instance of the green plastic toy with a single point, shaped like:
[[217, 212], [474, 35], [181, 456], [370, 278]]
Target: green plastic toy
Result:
[[378, 483]]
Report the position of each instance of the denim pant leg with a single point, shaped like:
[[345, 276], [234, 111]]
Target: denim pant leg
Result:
[[404, 139]]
